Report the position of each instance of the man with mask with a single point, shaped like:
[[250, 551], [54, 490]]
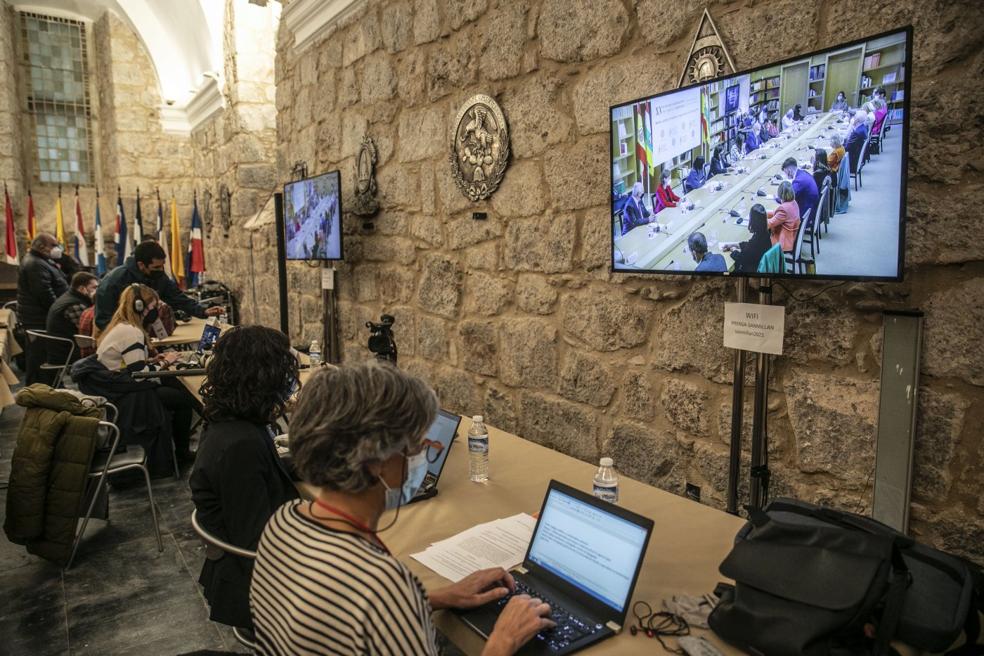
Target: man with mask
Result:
[[146, 267], [64, 315], [39, 283]]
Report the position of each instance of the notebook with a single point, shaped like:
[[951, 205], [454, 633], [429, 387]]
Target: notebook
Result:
[[584, 559]]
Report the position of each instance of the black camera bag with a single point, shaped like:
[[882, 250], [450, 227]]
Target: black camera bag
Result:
[[808, 580]]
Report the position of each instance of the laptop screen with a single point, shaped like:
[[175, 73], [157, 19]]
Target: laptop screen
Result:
[[592, 549], [442, 431]]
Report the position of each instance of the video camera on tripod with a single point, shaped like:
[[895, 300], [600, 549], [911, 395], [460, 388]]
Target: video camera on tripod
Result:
[[381, 340]]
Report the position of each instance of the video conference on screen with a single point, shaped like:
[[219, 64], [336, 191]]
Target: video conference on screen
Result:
[[792, 169], [312, 218]]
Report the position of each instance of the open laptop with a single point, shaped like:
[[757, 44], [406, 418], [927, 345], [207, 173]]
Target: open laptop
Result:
[[584, 559], [442, 432]]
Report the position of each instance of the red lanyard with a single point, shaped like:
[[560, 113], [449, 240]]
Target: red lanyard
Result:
[[356, 523]]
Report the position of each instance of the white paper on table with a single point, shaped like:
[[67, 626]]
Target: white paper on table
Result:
[[499, 543]]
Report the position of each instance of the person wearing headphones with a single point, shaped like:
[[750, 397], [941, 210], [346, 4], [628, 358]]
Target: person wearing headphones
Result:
[[322, 566], [151, 414]]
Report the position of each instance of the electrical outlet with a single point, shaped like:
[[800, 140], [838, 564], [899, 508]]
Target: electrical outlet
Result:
[[480, 216], [693, 492]]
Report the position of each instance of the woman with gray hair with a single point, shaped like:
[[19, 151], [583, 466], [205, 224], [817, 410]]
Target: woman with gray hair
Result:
[[324, 581]]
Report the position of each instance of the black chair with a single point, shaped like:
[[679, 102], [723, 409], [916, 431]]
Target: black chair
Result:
[[617, 219], [39, 338], [793, 260], [862, 160], [823, 207]]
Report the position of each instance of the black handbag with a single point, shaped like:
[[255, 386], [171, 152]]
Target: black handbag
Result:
[[816, 581]]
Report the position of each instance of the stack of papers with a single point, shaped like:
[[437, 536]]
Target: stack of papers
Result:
[[499, 543]]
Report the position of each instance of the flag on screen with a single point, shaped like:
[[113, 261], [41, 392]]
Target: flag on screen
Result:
[[647, 126], [138, 222], [640, 141], [59, 220], [32, 230], [10, 249], [196, 248], [119, 234], [81, 250], [705, 124], [97, 235], [162, 235], [177, 257]]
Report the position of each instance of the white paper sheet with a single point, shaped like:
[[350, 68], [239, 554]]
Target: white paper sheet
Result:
[[499, 543]]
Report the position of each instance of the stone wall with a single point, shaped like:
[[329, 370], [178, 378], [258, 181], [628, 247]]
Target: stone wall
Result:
[[518, 317], [10, 138]]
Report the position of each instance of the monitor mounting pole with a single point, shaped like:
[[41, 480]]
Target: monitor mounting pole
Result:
[[759, 483], [737, 408]]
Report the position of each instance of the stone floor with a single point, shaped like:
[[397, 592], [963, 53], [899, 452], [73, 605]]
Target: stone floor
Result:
[[121, 596]]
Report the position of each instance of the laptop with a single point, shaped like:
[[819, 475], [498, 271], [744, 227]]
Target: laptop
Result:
[[442, 432], [584, 559]]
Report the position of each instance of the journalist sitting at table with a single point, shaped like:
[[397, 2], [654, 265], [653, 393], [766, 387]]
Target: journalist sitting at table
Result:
[[697, 243], [238, 480], [324, 581], [634, 212], [748, 254]]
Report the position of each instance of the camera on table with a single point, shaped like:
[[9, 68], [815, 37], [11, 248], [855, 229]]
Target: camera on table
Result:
[[381, 340]]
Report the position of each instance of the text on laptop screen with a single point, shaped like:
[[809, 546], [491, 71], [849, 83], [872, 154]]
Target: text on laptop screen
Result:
[[589, 548], [442, 431]]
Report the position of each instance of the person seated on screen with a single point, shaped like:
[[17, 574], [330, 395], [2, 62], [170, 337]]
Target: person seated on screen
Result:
[[840, 104], [324, 581], [798, 113], [772, 128], [697, 244], [784, 221], [634, 211], [664, 192], [856, 138], [764, 134], [747, 254], [696, 178], [763, 114], [737, 148], [821, 169], [238, 480], [881, 111], [836, 154], [787, 119], [804, 188], [718, 163]]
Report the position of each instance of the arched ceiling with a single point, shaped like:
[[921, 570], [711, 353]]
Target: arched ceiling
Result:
[[183, 37]]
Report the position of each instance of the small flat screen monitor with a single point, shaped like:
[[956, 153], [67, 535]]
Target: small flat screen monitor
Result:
[[313, 218], [768, 172]]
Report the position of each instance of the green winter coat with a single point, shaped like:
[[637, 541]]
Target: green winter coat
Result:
[[55, 445]]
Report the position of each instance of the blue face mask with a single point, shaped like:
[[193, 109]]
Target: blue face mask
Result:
[[416, 471]]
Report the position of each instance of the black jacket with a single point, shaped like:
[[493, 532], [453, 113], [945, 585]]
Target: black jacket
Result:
[[751, 252], [39, 283], [237, 484], [63, 322], [110, 288]]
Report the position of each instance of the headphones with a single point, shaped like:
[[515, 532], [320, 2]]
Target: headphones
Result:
[[138, 304]]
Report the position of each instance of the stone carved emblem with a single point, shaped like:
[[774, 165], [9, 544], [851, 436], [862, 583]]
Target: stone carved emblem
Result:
[[479, 147], [207, 212], [365, 179], [225, 209], [708, 57]]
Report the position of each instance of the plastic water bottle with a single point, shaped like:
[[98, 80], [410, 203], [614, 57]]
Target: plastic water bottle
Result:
[[224, 318], [478, 450], [606, 481], [314, 353]]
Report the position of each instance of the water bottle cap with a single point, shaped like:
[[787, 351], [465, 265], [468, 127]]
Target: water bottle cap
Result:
[[478, 419], [607, 462]]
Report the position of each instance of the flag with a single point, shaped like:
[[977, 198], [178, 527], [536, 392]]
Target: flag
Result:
[[11, 246], [705, 123], [177, 257], [138, 222], [59, 220], [162, 236], [647, 126], [32, 230], [100, 245], [81, 250], [119, 234], [639, 112], [196, 248]]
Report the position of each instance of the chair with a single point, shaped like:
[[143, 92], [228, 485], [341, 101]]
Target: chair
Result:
[[42, 336], [772, 260], [108, 462], [212, 541], [794, 260], [823, 208], [618, 222], [843, 195], [809, 228], [86, 344], [862, 160]]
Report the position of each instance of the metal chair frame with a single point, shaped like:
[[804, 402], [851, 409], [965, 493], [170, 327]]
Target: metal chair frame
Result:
[[33, 335], [101, 475], [794, 259]]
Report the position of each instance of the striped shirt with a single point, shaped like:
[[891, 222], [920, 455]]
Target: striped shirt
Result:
[[123, 347], [320, 591]]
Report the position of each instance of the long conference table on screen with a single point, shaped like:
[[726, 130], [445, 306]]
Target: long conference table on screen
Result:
[[667, 250], [688, 542]]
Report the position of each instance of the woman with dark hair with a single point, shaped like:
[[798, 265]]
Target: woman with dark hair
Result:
[[664, 192], [238, 481], [696, 178], [797, 113], [840, 104], [718, 164], [747, 254], [822, 170]]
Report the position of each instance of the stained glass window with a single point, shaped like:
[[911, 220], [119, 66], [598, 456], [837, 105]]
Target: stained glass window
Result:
[[57, 82]]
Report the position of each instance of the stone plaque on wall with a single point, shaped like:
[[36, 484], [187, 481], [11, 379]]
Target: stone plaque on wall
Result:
[[479, 147]]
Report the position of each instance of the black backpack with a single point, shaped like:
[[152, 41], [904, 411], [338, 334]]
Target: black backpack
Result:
[[821, 582]]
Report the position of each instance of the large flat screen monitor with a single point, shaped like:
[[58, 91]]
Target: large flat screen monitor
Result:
[[313, 218], [796, 169]]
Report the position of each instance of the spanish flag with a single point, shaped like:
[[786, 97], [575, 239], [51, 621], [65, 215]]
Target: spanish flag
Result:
[[177, 257], [59, 220]]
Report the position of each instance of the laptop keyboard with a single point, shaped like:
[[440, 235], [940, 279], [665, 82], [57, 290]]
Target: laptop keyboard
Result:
[[570, 628]]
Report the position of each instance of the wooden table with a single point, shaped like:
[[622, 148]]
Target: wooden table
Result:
[[194, 383], [667, 250], [688, 543], [184, 333]]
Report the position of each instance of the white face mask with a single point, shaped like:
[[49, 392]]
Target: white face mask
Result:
[[56, 252]]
